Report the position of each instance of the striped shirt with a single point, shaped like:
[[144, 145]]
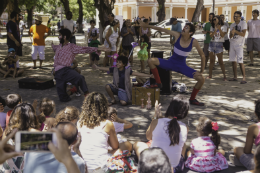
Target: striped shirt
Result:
[[203, 146], [180, 52]]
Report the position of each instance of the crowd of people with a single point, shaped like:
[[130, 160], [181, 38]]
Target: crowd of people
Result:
[[165, 150]]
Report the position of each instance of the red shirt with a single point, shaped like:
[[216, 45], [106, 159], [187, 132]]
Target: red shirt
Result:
[[8, 114], [65, 55]]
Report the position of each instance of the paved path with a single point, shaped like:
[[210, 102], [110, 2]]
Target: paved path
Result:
[[231, 104]]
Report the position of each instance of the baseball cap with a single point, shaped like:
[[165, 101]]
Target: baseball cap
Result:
[[11, 50]]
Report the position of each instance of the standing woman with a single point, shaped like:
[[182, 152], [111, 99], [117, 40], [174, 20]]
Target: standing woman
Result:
[[111, 41], [137, 28], [217, 32], [146, 31], [128, 32]]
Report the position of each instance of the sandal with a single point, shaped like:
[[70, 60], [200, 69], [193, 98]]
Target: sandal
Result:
[[111, 103], [243, 82], [233, 79]]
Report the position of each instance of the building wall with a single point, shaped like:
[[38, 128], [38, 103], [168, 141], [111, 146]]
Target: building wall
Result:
[[125, 13], [233, 9], [145, 11], [190, 13], [117, 11], [219, 10], [128, 12], [249, 13], [204, 15], [178, 12]]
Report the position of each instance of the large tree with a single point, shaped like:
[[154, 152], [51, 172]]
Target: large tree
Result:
[[3, 6], [13, 6], [199, 8], [161, 12], [66, 5], [80, 18]]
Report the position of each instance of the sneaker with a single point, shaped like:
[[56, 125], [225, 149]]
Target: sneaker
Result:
[[156, 85], [77, 94], [195, 102], [234, 160]]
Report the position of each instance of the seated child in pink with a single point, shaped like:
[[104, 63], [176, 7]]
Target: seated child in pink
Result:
[[204, 149]]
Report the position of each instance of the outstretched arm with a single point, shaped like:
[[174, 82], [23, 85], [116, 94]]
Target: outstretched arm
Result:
[[95, 67], [142, 75], [196, 44], [174, 33]]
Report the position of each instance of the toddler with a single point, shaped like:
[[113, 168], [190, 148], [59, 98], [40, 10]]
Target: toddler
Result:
[[204, 149], [143, 54], [94, 43]]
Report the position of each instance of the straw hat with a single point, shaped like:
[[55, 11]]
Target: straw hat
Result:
[[39, 18]]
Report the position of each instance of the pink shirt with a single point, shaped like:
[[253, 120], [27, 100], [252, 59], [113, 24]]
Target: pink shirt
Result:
[[203, 146], [65, 55]]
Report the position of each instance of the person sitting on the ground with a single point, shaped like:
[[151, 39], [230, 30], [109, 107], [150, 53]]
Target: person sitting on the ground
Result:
[[12, 64], [24, 118], [46, 162], [93, 124], [11, 101], [168, 132], [64, 55], [121, 81], [119, 123], [244, 155], [2, 115], [154, 160], [204, 149]]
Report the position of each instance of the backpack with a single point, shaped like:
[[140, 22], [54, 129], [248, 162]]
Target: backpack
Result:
[[105, 31], [120, 162]]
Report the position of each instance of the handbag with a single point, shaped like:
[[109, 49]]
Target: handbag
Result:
[[120, 162]]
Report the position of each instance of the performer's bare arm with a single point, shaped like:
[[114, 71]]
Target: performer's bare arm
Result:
[[142, 74], [174, 33], [200, 51]]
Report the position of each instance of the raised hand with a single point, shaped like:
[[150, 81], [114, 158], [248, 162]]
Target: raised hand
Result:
[[157, 110]]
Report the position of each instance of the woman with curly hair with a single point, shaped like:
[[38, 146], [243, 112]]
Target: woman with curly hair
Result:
[[97, 133], [23, 117]]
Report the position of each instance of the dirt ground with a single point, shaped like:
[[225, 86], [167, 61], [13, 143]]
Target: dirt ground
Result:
[[231, 104]]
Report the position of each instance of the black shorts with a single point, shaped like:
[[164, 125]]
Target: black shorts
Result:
[[226, 44], [149, 46], [128, 48], [94, 57], [18, 50]]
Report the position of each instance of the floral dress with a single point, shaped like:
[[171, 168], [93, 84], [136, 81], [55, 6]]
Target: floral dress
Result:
[[143, 54], [204, 159]]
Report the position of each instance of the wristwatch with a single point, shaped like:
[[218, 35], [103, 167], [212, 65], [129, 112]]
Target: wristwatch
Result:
[[154, 118]]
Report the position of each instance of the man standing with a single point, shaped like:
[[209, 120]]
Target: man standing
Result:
[[253, 39], [38, 43], [237, 40], [226, 44], [13, 35], [207, 39], [69, 24], [21, 27], [176, 26], [58, 25], [111, 18]]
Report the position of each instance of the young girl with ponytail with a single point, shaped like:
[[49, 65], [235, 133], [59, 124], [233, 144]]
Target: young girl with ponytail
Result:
[[204, 149], [168, 132]]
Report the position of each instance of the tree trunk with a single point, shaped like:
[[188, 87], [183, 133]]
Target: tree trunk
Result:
[[66, 5], [80, 29], [3, 6], [199, 8], [213, 7], [161, 12], [30, 17], [12, 6]]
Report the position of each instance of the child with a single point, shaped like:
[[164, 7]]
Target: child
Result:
[[46, 107], [53, 29], [204, 149], [121, 81], [143, 54], [2, 115], [91, 31], [94, 43], [12, 64], [119, 123], [11, 101], [70, 113]]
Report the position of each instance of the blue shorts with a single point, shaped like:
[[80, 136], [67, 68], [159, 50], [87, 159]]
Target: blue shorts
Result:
[[216, 47], [177, 65], [119, 92]]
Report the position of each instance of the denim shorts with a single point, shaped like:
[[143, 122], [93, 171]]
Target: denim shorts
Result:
[[119, 92], [216, 47]]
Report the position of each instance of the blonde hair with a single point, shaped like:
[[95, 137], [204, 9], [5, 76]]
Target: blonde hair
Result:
[[94, 110], [63, 115]]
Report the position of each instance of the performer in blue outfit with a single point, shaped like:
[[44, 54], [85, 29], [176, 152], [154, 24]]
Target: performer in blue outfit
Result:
[[177, 62]]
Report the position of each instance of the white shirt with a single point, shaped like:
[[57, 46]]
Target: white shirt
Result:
[[217, 37], [237, 39], [93, 31], [119, 127], [161, 139], [21, 24], [254, 28], [68, 24]]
